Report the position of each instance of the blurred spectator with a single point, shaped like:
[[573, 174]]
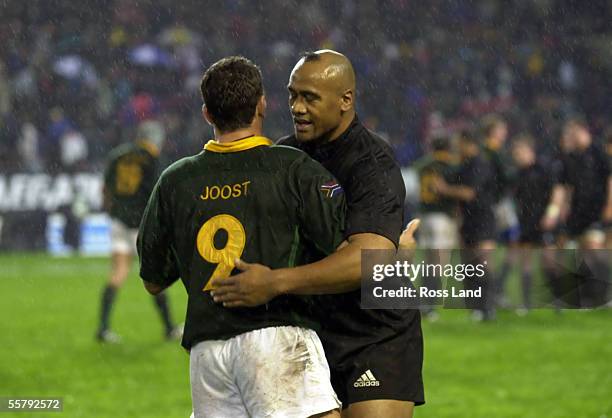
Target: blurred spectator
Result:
[[441, 61], [27, 147], [73, 149]]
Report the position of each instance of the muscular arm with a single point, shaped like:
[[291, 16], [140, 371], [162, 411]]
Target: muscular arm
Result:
[[555, 206], [463, 193], [337, 273], [341, 271]]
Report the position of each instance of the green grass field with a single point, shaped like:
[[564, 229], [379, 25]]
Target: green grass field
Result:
[[542, 366]]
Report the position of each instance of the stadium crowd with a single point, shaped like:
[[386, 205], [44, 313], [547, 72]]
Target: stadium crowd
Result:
[[76, 78]]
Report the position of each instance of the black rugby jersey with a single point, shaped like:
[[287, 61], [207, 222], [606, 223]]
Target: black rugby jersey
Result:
[[478, 219], [371, 178], [587, 174], [533, 187]]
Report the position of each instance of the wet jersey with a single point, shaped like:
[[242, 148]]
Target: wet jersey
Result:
[[271, 205]]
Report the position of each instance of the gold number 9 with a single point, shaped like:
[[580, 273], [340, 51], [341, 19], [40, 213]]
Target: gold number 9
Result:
[[223, 257]]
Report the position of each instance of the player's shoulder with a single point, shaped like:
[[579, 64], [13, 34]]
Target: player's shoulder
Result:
[[371, 139], [285, 156], [288, 140], [370, 152], [424, 163], [183, 167], [120, 151]]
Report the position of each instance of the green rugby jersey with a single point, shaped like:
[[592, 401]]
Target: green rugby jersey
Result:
[[272, 205], [438, 164], [129, 178]]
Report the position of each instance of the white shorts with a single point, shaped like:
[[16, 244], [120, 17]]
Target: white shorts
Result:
[[278, 372], [438, 231], [123, 239], [505, 215]]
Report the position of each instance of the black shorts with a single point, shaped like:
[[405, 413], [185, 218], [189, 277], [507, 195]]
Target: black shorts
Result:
[[531, 236], [387, 370]]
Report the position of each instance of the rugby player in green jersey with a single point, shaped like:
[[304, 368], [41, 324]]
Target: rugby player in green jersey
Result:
[[128, 181], [242, 197]]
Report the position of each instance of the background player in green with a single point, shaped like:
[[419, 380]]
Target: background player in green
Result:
[[375, 356], [438, 229], [241, 197], [128, 181]]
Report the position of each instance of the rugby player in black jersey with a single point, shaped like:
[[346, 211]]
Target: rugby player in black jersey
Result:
[[584, 183], [531, 189], [475, 193], [375, 356]]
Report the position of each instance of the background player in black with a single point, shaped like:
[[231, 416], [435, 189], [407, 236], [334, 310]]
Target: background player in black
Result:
[[584, 183], [128, 181], [242, 197], [531, 190], [475, 192], [495, 134], [608, 213], [383, 345]]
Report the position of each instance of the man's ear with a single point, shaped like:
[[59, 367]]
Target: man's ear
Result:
[[346, 100], [262, 106], [206, 115]]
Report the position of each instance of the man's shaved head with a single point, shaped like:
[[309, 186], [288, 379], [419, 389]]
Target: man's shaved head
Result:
[[322, 91], [333, 67]]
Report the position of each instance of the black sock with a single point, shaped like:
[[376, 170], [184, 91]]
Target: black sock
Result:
[[502, 279], [597, 281], [162, 305], [526, 287], [108, 297]]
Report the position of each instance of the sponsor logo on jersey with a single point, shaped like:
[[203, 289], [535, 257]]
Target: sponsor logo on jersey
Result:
[[331, 189], [366, 380]]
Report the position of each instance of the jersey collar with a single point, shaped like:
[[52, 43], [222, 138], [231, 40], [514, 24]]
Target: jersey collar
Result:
[[237, 146], [149, 147]]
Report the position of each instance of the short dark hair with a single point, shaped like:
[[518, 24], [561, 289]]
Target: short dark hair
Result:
[[440, 143], [231, 89], [469, 135]]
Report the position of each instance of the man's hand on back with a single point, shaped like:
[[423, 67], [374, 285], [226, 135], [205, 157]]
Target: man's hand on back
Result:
[[255, 286]]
